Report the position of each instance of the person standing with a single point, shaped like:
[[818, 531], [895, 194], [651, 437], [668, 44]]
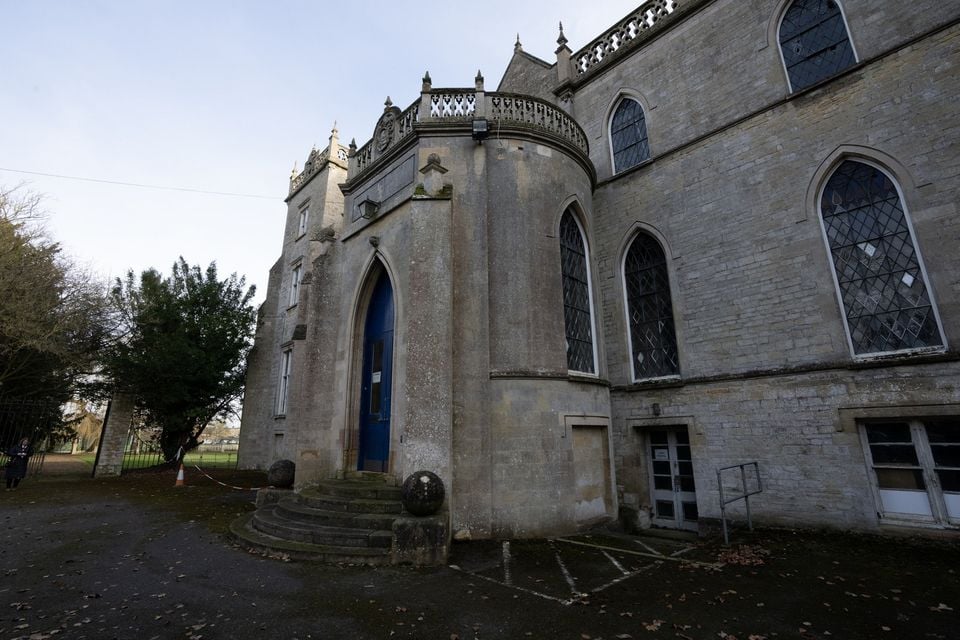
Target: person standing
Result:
[[17, 466]]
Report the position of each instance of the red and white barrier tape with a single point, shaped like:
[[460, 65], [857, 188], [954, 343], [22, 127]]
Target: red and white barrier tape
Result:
[[224, 484]]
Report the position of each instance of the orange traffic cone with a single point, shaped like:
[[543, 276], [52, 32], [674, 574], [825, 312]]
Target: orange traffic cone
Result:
[[180, 482]]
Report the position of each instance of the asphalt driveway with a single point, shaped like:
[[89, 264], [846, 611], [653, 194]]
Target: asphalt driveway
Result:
[[136, 558]]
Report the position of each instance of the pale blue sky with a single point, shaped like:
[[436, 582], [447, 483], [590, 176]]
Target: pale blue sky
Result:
[[225, 96]]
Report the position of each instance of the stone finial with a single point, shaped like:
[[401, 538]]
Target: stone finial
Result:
[[517, 47], [563, 58], [478, 81], [293, 172], [352, 149], [427, 82], [387, 104], [562, 40], [334, 144]]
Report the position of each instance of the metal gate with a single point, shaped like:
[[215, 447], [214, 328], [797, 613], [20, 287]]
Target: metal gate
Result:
[[27, 419], [142, 450]]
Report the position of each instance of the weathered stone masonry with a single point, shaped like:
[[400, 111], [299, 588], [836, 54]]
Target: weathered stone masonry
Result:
[[467, 232]]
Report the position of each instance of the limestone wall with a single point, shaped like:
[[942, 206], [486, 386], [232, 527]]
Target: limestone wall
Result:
[[811, 461], [723, 63], [766, 370], [266, 436]]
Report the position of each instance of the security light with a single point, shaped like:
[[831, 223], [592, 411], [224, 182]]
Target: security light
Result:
[[481, 129]]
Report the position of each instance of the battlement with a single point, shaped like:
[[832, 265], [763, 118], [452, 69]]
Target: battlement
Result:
[[316, 161]]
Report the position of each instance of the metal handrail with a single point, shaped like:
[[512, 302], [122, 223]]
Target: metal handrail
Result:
[[744, 495]]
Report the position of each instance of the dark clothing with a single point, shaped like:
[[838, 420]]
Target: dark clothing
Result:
[[17, 466]]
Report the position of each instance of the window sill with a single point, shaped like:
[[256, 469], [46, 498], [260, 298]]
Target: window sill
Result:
[[280, 416], [928, 354], [587, 378], [665, 382], [909, 526]]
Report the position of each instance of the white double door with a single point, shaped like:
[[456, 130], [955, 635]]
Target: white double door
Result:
[[673, 491]]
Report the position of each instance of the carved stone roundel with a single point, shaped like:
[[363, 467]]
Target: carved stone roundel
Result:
[[386, 130]]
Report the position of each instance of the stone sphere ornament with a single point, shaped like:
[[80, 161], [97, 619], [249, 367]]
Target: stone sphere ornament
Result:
[[280, 474], [422, 493]]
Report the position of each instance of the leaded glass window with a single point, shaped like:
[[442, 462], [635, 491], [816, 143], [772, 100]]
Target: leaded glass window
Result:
[[814, 42], [283, 388], [882, 287], [577, 310], [653, 338], [628, 134]]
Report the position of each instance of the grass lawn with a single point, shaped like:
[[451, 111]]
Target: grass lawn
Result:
[[219, 459]]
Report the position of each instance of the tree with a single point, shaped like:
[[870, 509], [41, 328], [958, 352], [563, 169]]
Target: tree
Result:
[[181, 348], [53, 316]]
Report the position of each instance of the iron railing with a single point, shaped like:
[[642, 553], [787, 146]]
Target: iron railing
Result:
[[743, 493]]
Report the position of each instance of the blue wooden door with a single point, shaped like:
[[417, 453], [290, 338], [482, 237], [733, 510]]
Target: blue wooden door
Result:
[[377, 377]]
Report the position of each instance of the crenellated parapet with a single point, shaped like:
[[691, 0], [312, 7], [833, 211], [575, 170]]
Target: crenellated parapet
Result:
[[316, 161]]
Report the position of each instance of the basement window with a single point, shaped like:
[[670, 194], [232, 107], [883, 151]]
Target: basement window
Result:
[[916, 469]]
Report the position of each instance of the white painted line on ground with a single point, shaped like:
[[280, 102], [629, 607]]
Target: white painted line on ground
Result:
[[625, 576], [507, 579], [615, 563], [577, 595], [563, 568], [510, 586], [658, 556], [648, 548]]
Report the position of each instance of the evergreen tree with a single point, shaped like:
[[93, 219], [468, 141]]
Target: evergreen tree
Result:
[[181, 348]]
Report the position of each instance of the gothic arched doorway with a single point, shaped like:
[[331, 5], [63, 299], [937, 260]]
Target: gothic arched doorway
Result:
[[376, 380]]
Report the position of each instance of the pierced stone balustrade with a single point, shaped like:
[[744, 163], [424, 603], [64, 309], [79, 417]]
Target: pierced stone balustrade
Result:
[[456, 108], [645, 17]]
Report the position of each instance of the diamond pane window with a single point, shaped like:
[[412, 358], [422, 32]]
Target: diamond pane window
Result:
[[577, 309], [814, 42], [283, 387], [628, 134], [882, 287], [653, 338]]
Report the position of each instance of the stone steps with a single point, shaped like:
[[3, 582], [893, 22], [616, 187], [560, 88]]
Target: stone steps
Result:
[[269, 545], [317, 499], [349, 520], [298, 512], [272, 520]]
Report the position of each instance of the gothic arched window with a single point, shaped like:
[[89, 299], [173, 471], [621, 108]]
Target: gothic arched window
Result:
[[882, 287], [628, 135], [814, 42], [653, 338], [577, 306]]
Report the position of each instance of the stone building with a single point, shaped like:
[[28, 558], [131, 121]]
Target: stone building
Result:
[[722, 232]]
